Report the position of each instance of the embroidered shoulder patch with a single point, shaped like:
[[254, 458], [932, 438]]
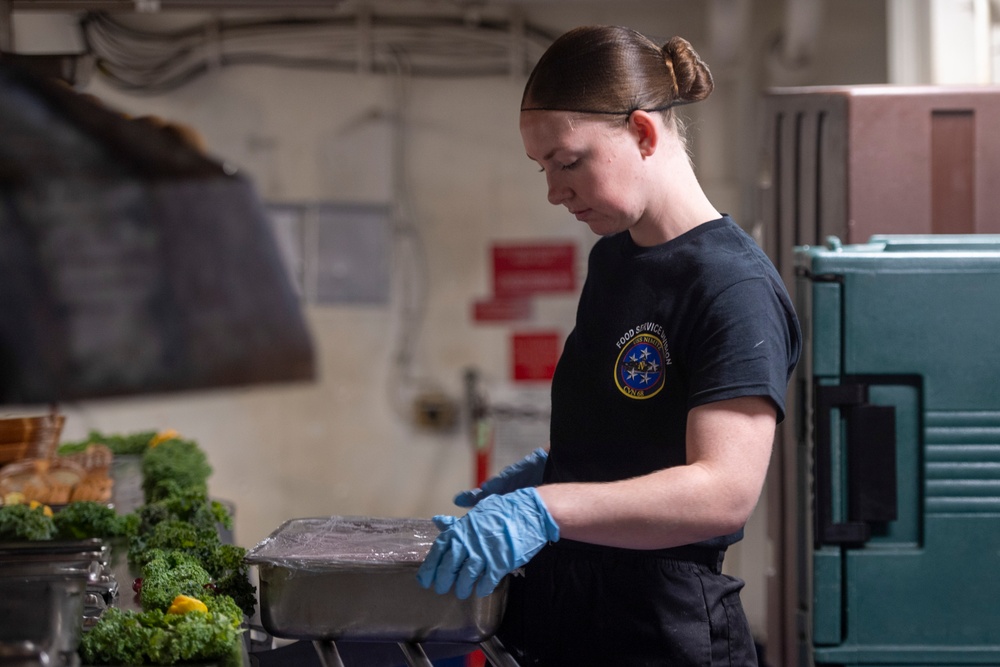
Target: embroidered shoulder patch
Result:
[[639, 369]]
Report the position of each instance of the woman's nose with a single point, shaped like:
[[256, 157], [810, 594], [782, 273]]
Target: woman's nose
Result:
[[558, 192]]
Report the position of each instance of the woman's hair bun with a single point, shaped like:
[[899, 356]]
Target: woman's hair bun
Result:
[[692, 78]]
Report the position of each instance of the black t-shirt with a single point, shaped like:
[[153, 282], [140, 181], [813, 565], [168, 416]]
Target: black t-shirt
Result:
[[702, 318]]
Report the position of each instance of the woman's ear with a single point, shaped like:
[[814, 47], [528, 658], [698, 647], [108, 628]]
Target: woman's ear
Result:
[[646, 131]]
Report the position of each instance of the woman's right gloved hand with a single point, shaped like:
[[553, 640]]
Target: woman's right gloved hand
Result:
[[525, 473], [497, 536]]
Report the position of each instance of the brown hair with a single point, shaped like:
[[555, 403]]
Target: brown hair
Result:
[[615, 70]]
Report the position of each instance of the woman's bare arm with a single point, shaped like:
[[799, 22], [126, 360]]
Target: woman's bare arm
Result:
[[728, 450]]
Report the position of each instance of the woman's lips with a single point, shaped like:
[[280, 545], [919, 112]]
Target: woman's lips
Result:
[[582, 214]]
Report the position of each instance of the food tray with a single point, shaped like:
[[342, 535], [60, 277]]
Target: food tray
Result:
[[355, 578]]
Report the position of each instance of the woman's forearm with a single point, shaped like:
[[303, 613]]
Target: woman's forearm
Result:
[[665, 509]]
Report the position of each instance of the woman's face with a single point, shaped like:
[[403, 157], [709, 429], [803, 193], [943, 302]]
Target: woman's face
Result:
[[591, 166]]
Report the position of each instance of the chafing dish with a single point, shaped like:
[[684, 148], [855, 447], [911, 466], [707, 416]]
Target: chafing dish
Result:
[[42, 609], [90, 556]]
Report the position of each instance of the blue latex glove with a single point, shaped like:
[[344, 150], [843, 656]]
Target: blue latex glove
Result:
[[497, 536], [526, 472]]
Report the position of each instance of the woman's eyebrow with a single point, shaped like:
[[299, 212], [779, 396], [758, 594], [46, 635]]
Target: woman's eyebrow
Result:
[[547, 156]]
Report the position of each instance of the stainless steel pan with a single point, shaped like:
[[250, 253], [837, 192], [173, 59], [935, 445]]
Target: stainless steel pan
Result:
[[354, 578]]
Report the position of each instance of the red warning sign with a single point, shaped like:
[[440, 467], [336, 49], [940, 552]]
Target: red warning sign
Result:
[[534, 355], [533, 268], [502, 310]]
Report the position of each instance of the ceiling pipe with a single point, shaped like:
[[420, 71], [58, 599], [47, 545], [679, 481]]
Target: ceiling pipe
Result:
[[164, 5]]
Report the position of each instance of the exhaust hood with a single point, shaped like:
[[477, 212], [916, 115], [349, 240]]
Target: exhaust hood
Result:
[[130, 262]]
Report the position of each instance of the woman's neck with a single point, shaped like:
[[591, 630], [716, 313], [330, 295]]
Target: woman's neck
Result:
[[679, 206]]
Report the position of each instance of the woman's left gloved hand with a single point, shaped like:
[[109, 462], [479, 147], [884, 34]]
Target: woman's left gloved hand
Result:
[[524, 473], [500, 534]]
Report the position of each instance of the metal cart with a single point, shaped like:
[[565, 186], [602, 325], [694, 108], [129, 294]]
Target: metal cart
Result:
[[414, 654]]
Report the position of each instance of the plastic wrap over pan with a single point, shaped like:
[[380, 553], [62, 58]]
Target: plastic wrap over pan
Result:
[[354, 578]]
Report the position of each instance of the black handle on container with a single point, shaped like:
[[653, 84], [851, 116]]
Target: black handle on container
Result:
[[871, 464]]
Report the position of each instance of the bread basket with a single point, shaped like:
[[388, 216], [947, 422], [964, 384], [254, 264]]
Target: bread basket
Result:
[[29, 437]]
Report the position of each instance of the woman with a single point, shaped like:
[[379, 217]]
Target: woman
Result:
[[665, 399]]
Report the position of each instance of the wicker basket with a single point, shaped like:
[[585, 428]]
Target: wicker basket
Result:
[[96, 458], [29, 437]]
